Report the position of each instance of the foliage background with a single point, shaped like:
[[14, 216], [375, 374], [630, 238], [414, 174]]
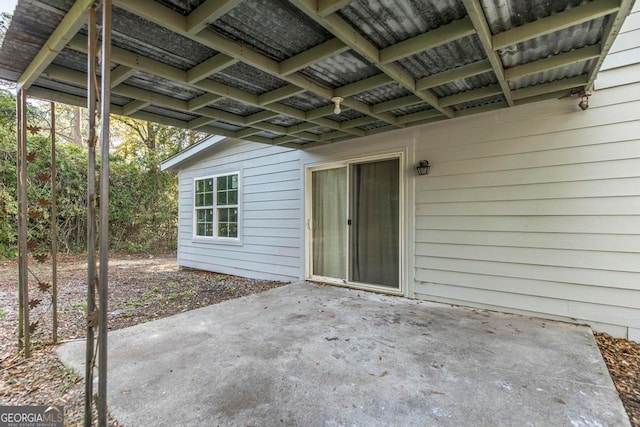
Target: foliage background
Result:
[[143, 200]]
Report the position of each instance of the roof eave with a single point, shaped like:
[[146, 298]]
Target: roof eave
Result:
[[174, 162]]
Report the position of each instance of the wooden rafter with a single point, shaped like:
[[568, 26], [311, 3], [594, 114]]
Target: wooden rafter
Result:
[[352, 38], [290, 72], [610, 32], [550, 24], [68, 27], [474, 10]]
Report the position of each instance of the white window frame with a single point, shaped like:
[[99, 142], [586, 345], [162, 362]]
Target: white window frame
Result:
[[215, 207]]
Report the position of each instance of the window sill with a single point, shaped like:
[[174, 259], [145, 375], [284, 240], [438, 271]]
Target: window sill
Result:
[[217, 241]]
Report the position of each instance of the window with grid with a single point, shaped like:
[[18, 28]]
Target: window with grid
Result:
[[216, 206]]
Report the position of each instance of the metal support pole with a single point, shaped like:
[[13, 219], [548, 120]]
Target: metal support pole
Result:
[[104, 209], [20, 234], [91, 213], [23, 255], [54, 226]]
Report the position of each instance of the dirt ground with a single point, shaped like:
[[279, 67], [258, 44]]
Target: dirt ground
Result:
[[147, 288], [141, 289]]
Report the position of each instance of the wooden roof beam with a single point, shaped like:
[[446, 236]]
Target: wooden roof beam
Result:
[[310, 56], [420, 115], [81, 101], [134, 61], [471, 95], [559, 21], [244, 133], [300, 128], [175, 22], [142, 98], [405, 101], [120, 74], [476, 14], [65, 98], [352, 38], [213, 88], [327, 7], [482, 108], [202, 121], [202, 101], [327, 110], [429, 40], [557, 85], [208, 12], [211, 66], [608, 37], [279, 94], [259, 117], [561, 60], [454, 74], [362, 121], [363, 85], [68, 27], [133, 106]]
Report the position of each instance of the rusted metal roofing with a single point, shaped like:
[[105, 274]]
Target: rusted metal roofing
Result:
[[267, 70]]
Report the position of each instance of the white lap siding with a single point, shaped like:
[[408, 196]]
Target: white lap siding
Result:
[[270, 242], [537, 209]]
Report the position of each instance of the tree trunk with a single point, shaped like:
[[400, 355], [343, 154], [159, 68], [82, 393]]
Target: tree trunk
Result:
[[77, 120]]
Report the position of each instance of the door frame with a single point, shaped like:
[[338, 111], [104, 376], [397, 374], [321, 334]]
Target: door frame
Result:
[[309, 169]]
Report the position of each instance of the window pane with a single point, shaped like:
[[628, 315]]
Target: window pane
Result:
[[233, 230], [223, 230], [233, 215], [223, 215], [234, 182], [222, 198], [200, 230], [232, 197], [209, 229], [222, 183], [204, 192]]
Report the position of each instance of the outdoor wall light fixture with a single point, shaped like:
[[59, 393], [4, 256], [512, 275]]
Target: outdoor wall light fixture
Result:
[[584, 102], [423, 167], [337, 100]]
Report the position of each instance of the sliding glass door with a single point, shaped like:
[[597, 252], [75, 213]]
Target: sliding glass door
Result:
[[355, 223], [329, 232]]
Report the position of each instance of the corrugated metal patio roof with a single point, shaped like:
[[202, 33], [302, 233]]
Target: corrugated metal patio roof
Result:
[[266, 70]]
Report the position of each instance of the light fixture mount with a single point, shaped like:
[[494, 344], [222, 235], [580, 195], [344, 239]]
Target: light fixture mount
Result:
[[423, 167], [584, 102], [337, 100]]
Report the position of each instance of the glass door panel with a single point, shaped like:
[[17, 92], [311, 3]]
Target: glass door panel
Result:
[[329, 223], [375, 223]]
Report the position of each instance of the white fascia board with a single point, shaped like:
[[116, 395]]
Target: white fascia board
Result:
[[173, 162]]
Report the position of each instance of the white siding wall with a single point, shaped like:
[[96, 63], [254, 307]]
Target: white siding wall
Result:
[[537, 209], [534, 209], [271, 213]]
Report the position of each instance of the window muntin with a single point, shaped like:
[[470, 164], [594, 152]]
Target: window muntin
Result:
[[217, 206]]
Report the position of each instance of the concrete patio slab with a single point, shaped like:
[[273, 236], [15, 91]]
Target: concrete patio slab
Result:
[[307, 355]]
